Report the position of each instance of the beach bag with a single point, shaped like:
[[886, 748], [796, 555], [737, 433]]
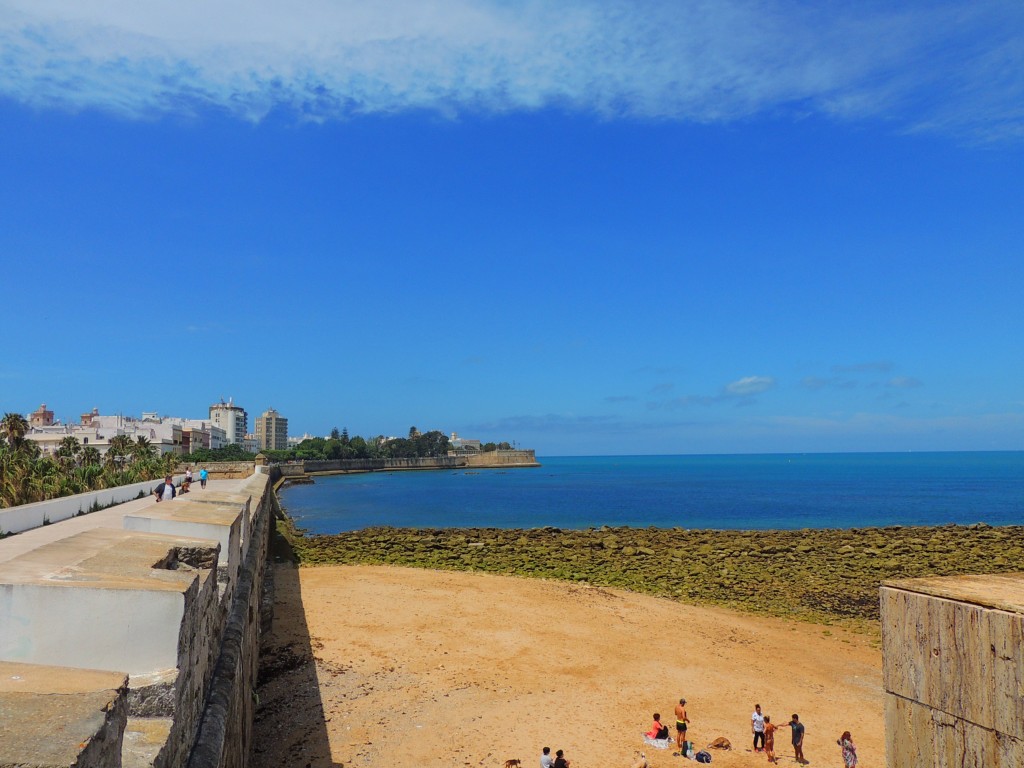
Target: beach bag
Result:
[[703, 756]]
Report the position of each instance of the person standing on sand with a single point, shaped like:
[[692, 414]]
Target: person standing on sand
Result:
[[849, 751], [681, 721], [545, 758], [560, 761], [798, 738], [769, 739], [203, 475], [757, 727]]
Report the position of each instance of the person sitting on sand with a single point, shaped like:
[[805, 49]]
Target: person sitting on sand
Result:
[[545, 758], [560, 761], [658, 731], [769, 739], [849, 751]]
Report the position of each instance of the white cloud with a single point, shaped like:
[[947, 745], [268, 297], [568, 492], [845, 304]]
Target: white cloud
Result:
[[750, 385], [944, 66]]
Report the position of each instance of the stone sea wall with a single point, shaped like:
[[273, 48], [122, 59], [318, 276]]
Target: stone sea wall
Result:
[[139, 645], [491, 459]]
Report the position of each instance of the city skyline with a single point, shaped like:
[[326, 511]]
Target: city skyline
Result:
[[589, 228]]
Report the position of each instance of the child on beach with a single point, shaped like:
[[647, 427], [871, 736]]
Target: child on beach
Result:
[[769, 739], [849, 751]]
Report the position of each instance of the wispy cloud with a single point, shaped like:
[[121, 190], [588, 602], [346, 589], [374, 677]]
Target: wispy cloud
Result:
[[740, 392], [620, 399], [877, 366], [827, 382], [904, 382], [750, 385], [945, 65]]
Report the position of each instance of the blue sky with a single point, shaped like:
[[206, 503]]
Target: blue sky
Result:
[[586, 227]]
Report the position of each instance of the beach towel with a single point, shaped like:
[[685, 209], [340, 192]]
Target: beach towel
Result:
[[658, 743]]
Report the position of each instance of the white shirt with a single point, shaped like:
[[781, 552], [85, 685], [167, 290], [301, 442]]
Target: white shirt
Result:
[[546, 761], [168, 492], [758, 720]]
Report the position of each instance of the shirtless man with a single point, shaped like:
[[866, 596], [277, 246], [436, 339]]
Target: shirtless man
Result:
[[681, 721]]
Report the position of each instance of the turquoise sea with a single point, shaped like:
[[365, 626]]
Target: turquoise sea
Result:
[[848, 490]]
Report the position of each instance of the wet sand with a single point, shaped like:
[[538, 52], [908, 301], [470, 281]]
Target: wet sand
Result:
[[391, 666]]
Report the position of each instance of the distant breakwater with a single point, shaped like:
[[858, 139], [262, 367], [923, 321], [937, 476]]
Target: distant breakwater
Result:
[[819, 575]]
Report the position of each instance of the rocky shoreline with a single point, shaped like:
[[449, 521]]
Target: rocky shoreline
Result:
[[821, 575]]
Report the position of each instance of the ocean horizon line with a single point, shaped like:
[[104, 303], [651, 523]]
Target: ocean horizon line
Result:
[[772, 453]]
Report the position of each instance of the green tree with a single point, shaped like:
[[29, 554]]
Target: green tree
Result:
[[13, 428], [69, 451], [359, 448], [335, 434]]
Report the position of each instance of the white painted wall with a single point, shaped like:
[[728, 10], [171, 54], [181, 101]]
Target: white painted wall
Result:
[[28, 516], [120, 630]]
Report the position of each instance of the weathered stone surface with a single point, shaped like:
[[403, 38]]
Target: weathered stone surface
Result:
[[954, 671], [56, 716]]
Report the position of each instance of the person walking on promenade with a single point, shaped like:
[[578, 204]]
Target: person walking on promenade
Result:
[[203, 475], [681, 721], [769, 739], [849, 751], [560, 761], [545, 758], [797, 729], [188, 474], [757, 727], [165, 491]]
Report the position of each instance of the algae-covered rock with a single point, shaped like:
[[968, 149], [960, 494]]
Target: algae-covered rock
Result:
[[812, 574]]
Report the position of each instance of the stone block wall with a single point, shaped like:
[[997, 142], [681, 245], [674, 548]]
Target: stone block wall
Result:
[[953, 671], [225, 737], [147, 607]]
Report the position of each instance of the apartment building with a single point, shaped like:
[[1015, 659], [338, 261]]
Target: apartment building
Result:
[[272, 431]]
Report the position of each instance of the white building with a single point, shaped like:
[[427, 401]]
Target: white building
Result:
[[164, 434], [250, 444], [232, 419]]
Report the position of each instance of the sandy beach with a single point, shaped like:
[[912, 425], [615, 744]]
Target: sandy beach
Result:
[[391, 666]]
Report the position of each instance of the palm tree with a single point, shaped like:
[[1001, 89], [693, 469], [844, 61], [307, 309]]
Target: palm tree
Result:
[[69, 450], [13, 428], [142, 448], [91, 456]]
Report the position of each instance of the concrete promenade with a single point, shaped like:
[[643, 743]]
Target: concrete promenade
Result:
[[129, 636], [112, 517]]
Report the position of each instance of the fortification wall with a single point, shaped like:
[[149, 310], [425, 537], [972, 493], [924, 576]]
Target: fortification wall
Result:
[[224, 470], [953, 671], [497, 459], [174, 604], [492, 459]]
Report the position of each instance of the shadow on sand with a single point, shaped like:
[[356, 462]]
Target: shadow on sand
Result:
[[290, 727]]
